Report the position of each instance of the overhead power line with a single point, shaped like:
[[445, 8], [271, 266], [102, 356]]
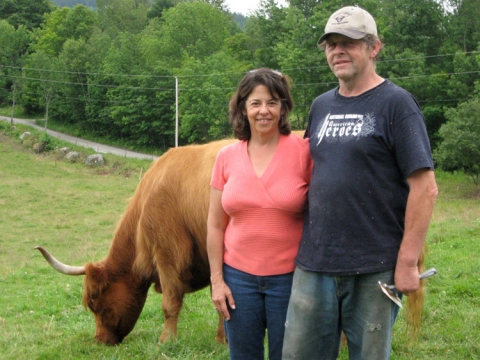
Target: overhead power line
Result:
[[155, 104], [86, 84], [123, 87], [229, 73]]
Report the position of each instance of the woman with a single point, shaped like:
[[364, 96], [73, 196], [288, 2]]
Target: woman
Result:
[[258, 197]]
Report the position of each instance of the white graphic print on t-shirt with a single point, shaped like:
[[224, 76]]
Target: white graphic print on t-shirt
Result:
[[345, 127]]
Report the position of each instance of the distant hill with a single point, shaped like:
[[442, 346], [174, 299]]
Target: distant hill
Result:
[[240, 19], [71, 3]]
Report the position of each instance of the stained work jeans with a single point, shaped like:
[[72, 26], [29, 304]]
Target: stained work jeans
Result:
[[322, 306]]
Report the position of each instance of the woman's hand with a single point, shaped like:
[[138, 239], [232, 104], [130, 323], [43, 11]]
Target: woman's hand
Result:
[[222, 298]]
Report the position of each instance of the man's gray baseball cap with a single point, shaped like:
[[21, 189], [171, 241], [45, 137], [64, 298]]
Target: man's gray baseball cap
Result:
[[351, 21]]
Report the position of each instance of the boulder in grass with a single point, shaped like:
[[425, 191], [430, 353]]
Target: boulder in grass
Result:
[[95, 160], [24, 136], [39, 147], [72, 156]]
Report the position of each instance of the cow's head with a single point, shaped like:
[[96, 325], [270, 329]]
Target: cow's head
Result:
[[116, 300]]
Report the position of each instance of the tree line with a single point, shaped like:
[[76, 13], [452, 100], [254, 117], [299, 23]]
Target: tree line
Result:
[[113, 72]]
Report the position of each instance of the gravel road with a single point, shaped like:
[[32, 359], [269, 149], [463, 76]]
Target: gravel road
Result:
[[99, 148]]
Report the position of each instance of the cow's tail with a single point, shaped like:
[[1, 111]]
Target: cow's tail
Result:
[[415, 302]]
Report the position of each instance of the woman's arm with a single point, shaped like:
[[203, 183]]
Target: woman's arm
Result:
[[216, 224]]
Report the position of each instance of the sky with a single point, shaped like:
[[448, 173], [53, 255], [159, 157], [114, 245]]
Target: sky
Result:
[[246, 6]]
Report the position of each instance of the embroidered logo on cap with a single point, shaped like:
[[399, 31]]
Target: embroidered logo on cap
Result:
[[340, 18]]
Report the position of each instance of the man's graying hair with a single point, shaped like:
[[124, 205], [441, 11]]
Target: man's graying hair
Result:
[[371, 40]]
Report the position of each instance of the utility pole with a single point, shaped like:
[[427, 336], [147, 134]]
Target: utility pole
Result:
[[176, 111]]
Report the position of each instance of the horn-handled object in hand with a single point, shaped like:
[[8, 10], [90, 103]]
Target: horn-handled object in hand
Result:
[[392, 292]]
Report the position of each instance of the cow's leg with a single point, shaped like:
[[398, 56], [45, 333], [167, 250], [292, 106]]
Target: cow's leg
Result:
[[171, 305], [172, 266], [221, 338]]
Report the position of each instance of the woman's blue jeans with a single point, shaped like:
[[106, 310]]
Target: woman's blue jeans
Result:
[[260, 304], [322, 306]]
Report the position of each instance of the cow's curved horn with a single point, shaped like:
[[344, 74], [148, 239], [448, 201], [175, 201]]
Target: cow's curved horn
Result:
[[60, 267]]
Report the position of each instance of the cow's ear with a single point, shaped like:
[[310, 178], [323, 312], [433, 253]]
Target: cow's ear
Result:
[[95, 280]]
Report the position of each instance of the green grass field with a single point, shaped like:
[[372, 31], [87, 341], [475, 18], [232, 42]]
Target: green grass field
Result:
[[73, 211]]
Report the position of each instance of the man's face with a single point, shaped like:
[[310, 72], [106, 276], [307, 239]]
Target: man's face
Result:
[[348, 58]]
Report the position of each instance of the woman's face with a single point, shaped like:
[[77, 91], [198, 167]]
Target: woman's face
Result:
[[263, 111]]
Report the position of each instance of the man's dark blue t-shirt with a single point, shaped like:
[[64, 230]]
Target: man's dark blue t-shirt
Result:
[[364, 148]]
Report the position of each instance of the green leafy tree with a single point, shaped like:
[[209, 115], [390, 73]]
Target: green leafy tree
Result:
[[139, 98], [265, 28], [42, 80], [417, 25], [120, 16], [95, 121], [219, 4], [156, 10], [81, 61], [434, 103], [29, 13], [306, 7], [462, 82], [50, 39], [408, 71], [150, 41], [63, 39], [241, 47], [190, 29], [448, 90], [203, 99], [463, 24], [73, 90], [62, 24], [459, 149], [13, 49], [413, 32]]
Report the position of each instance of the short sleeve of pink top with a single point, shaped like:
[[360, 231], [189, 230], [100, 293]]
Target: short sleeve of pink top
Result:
[[266, 213]]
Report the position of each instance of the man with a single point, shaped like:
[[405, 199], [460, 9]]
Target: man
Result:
[[370, 202]]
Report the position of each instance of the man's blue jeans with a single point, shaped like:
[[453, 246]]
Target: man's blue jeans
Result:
[[260, 303], [322, 306]]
